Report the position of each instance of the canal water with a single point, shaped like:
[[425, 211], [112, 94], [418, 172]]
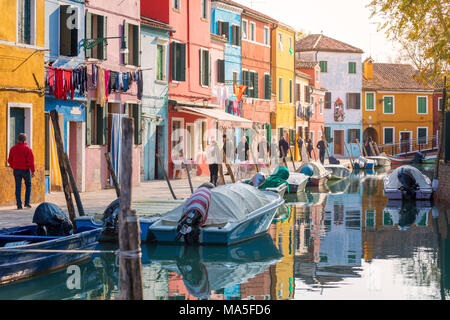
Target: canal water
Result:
[[341, 241]]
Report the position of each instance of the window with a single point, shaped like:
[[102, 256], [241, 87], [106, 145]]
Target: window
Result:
[[19, 117], [96, 124], [353, 100], [96, 27], [440, 101], [290, 45], [370, 218], [291, 91], [352, 67], [266, 36], [298, 92], [321, 105], [388, 104], [135, 112], [307, 94], [132, 37], [244, 29], [370, 101], [221, 71], [223, 29], [178, 61], [204, 7], [354, 134], [235, 77], [160, 62], [313, 107], [422, 105], [252, 31], [323, 66], [267, 87], [176, 4], [280, 41], [204, 67], [26, 21], [422, 134], [327, 100], [68, 31], [177, 138], [388, 135], [236, 35], [328, 134], [251, 81], [280, 89]]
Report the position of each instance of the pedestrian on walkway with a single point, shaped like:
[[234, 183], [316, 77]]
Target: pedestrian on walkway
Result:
[[242, 150], [321, 147], [300, 145], [284, 147], [214, 159], [309, 147], [21, 160]]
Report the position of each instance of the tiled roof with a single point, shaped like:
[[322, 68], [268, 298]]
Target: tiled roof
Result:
[[304, 64], [302, 74], [156, 24], [247, 10], [393, 76], [319, 42]]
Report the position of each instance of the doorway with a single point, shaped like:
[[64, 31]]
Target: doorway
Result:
[[339, 142], [405, 141], [159, 147]]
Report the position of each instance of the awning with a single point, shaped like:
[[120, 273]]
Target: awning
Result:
[[219, 115]]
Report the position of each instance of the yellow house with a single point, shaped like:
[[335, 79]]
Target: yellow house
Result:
[[397, 110], [283, 80], [22, 90]]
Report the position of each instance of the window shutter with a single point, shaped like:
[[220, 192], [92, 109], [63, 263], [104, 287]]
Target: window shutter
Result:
[[102, 25], [220, 71], [328, 100], [136, 46], [209, 68], [64, 32], [238, 36], [88, 111], [174, 61], [74, 35], [126, 56], [245, 77], [349, 136], [182, 68], [348, 100], [226, 30], [88, 33], [101, 125], [137, 115], [358, 101], [358, 134], [219, 28], [267, 87], [201, 71], [255, 86]]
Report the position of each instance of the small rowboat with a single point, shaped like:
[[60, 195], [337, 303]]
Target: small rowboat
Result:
[[338, 171], [382, 161], [398, 160], [364, 163], [407, 182], [297, 182], [23, 254], [316, 172]]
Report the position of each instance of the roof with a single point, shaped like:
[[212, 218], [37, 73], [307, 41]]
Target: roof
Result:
[[249, 11], [218, 38], [303, 75], [393, 76], [304, 64], [156, 24], [319, 42]]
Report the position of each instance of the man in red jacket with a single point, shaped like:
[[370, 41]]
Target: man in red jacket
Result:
[[21, 160]]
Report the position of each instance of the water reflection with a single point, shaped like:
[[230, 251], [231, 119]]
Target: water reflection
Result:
[[340, 241]]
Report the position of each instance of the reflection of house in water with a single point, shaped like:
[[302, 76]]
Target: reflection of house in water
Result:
[[155, 282], [177, 288], [257, 288], [341, 245]]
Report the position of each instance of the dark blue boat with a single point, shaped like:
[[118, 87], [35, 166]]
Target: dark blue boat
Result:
[[24, 254]]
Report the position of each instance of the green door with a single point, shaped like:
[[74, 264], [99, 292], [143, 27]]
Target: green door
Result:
[[16, 124]]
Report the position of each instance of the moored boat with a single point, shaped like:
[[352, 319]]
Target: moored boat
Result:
[[297, 182], [316, 172], [399, 160], [338, 171], [364, 163], [407, 182], [382, 161]]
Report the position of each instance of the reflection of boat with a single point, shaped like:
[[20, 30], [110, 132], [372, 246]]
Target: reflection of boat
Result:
[[407, 182], [316, 172], [338, 171], [208, 268], [297, 182], [339, 186], [307, 199], [382, 161], [405, 214], [237, 212], [24, 254], [364, 163]]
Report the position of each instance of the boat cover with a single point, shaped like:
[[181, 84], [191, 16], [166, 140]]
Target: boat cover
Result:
[[296, 178], [51, 220], [422, 180], [229, 203], [318, 169]]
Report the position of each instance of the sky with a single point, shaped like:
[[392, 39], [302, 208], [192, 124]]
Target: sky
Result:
[[345, 20]]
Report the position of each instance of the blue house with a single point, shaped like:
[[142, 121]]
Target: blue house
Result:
[[64, 25], [155, 66]]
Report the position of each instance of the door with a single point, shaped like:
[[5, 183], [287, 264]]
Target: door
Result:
[[405, 141], [159, 150], [339, 142], [16, 124]]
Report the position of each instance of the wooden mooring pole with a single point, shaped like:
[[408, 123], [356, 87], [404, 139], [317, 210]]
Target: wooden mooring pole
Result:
[[62, 166], [131, 287], [74, 186], [166, 176], [113, 174]]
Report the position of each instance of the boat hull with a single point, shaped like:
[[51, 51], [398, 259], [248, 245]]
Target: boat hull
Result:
[[395, 194], [295, 188], [17, 266]]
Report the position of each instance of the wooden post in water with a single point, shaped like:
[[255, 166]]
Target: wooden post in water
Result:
[[62, 166], [188, 173], [129, 234], [230, 172], [113, 174], [362, 150], [166, 176], [73, 184], [292, 158], [351, 160]]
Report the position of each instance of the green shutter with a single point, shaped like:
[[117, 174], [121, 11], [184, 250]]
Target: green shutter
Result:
[[255, 85], [173, 63], [126, 56], [88, 111], [136, 46], [388, 135], [267, 87], [388, 105], [137, 115], [323, 66], [358, 134], [159, 62], [182, 62], [352, 67], [370, 101], [422, 105], [101, 125], [102, 23], [88, 52]]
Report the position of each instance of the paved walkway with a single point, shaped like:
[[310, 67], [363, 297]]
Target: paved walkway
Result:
[[97, 201]]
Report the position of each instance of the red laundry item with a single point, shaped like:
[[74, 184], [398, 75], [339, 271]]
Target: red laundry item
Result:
[[51, 79], [106, 84], [68, 84], [235, 107], [59, 83]]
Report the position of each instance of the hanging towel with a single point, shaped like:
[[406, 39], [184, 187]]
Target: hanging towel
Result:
[[125, 82], [55, 173], [117, 81], [101, 99], [94, 76], [106, 84], [51, 80], [116, 143]]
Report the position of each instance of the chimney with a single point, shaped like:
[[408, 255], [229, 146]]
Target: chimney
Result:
[[368, 68]]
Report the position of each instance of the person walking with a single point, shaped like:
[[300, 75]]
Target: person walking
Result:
[[284, 147], [367, 146], [242, 150], [300, 145], [321, 146], [309, 147], [21, 160], [214, 160]]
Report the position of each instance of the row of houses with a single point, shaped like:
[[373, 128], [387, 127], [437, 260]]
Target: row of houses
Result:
[[172, 65]]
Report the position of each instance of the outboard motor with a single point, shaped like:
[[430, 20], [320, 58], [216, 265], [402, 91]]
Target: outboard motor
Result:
[[195, 213], [111, 217], [257, 180], [333, 160], [51, 221], [418, 157], [408, 183]]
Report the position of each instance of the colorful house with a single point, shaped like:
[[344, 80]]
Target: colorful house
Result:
[[341, 69], [302, 108], [64, 25], [113, 77], [22, 46], [155, 63], [396, 108], [283, 78]]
